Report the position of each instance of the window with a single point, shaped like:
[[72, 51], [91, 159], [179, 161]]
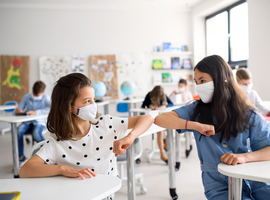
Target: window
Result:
[[227, 34]]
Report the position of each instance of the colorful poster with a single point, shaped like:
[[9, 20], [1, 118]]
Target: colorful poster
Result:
[[51, 68], [14, 77], [103, 68]]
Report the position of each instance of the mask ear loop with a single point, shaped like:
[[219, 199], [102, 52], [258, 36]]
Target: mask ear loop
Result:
[[78, 110]]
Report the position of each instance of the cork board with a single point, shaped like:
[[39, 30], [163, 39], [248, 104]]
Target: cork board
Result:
[[103, 68], [14, 77]]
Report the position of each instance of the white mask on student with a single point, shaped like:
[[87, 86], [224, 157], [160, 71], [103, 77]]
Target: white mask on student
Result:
[[35, 98], [205, 91], [88, 112], [247, 88], [181, 89]]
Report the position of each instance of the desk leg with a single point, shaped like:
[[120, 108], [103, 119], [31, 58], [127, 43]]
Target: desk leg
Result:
[[130, 174], [177, 151], [171, 163], [14, 137], [106, 109], [235, 188]]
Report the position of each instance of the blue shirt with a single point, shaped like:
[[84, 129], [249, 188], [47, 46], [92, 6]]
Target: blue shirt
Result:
[[41, 107], [210, 150], [147, 101]]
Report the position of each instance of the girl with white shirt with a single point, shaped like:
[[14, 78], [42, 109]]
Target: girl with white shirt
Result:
[[82, 143], [244, 79]]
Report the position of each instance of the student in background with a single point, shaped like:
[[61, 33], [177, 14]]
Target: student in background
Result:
[[183, 90], [81, 142], [223, 104], [158, 99], [244, 79], [35, 103]]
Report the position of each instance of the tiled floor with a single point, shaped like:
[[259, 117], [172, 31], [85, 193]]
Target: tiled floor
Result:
[[156, 180]]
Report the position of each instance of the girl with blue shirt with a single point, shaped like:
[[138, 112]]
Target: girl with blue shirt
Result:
[[223, 104]]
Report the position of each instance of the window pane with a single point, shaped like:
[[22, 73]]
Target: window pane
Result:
[[217, 35], [239, 32]]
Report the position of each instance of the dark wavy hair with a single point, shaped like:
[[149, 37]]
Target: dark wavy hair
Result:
[[229, 103], [157, 95], [60, 120]]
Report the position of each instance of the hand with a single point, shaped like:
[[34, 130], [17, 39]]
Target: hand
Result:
[[31, 112], [72, 172], [17, 111], [206, 129], [120, 146], [233, 159]]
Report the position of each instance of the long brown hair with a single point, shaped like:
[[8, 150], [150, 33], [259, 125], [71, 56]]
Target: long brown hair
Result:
[[157, 95], [229, 103], [60, 120]]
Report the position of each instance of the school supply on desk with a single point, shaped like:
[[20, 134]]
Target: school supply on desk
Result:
[[157, 64], [9, 195], [175, 63], [21, 114]]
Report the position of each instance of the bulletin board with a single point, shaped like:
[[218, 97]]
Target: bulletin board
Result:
[[132, 67], [14, 77], [103, 68]]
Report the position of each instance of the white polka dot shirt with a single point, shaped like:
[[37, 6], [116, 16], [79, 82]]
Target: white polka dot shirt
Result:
[[93, 151]]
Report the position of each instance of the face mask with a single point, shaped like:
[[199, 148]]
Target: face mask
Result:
[[181, 89], [37, 98], [206, 91], [87, 113], [247, 88]]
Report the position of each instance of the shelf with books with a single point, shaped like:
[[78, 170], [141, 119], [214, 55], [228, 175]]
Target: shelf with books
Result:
[[172, 53]]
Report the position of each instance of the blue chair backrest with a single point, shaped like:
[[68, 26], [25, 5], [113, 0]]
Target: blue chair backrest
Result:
[[8, 103], [122, 107]]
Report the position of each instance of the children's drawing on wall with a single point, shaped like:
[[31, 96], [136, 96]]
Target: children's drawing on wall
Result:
[[131, 75], [14, 77], [78, 64], [51, 68], [103, 69]]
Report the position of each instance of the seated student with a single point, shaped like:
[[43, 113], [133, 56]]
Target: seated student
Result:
[[81, 142], [183, 90], [223, 104], [158, 99], [244, 79], [35, 103]]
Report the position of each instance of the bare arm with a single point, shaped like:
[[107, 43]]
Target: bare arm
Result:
[[139, 125], [35, 167], [255, 156], [171, 120]]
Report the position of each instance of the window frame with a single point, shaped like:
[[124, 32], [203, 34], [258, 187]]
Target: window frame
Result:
[[241, 63]]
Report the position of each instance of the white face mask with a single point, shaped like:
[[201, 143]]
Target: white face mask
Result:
[[206, 91], [88, 112], [37, 98], [247, 87], [181, 89]]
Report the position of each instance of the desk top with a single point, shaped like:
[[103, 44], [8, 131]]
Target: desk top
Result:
[[161, 110], [153, 129], [17, 119], [256, 171], [60, 187], [134, 100], [102, 103], [3, 107]]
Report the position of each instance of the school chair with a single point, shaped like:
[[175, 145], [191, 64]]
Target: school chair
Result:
[[121, 163], [122, 108], [8, 111]]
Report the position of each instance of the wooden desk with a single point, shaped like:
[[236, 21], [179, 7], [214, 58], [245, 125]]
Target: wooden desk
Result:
[[105, 105], [255, 171], [60, 187], [13, 120], [130, 162]]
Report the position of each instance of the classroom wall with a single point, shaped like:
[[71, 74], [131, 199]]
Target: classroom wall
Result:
[[259, 40]]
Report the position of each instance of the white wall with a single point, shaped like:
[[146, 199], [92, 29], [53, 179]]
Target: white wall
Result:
[[259, 40], [56, 31]]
